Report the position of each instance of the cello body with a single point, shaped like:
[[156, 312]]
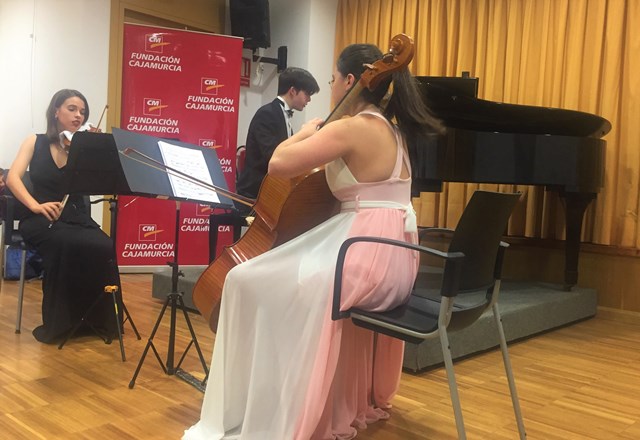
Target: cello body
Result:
[[285, 209]]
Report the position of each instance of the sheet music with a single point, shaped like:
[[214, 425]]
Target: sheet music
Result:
[[192, 163]]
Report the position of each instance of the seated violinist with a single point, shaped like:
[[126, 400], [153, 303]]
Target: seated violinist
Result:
[[78, 257]]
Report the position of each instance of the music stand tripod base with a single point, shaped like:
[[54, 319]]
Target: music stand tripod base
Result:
[[173, 302]]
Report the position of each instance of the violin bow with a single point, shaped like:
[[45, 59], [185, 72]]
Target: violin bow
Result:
[[104, 110]]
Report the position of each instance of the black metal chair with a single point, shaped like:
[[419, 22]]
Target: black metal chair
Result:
[[12, 211], [472, 262]]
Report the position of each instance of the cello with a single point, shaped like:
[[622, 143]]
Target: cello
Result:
[[285, 208]]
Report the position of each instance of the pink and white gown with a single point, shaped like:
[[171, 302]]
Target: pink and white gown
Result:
[[281, 368]]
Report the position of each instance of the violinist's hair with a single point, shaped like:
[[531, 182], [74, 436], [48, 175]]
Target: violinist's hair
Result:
[[297, 78], [406, 105], [56, 101]]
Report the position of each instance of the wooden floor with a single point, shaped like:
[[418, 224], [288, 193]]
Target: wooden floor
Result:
[[579, 382]]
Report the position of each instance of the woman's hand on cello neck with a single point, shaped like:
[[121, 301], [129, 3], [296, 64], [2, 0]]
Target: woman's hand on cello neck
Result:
[[309, 128]]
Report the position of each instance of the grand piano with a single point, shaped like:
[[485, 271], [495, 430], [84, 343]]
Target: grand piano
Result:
[[492, 142]]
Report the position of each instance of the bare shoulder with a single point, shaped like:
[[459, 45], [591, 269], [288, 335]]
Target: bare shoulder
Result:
[[357, 135], [360, 124], [372, 128], [29, 142], [24, 155]]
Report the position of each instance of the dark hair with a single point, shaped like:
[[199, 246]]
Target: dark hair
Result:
[[297, 78], [56, 101], [405, 105]]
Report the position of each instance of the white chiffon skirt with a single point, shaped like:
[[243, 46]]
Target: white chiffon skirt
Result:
[[276, 351]]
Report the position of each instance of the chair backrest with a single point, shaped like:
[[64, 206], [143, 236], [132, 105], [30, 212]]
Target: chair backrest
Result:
[[13, 210], [478, 234], [18, 209]]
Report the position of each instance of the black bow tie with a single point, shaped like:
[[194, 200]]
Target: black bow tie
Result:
[[288, 112]]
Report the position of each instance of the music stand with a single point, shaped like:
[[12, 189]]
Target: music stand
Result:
[[93, 166], [148, 178]]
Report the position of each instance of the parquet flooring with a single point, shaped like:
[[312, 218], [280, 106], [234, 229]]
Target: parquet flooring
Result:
[[578, 382]]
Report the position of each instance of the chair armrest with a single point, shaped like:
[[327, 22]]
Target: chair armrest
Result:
[[453, 264], [424, 230], [433, 237], [96, 201]]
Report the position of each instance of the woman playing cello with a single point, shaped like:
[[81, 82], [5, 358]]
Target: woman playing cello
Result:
[[282, 369]]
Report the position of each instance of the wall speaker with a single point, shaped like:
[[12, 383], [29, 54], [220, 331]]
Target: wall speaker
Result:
[[282, 58], [250, 20]]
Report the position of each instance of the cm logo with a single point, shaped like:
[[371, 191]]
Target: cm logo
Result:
[[153, 107], [203, 210], [154, 43], [209, 86], [148, 232], [208, 143]]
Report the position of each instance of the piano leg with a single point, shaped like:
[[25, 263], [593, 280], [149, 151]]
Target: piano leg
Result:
[[575, 206]]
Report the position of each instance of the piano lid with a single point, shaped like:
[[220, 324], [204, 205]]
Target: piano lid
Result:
[[459, 110]]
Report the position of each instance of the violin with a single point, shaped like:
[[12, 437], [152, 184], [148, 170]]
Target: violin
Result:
[[285, 208], [66, 135]]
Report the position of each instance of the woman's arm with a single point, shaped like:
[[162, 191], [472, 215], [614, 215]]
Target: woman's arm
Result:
[[310, 148], [365, 143], [51, 210]]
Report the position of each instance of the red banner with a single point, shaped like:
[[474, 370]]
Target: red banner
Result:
[[177, 85]]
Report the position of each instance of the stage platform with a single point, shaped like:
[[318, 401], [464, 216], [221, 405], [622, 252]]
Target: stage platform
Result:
[[527, 308], [161, 283]]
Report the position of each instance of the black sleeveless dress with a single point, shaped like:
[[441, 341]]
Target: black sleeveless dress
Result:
[[78, 257]]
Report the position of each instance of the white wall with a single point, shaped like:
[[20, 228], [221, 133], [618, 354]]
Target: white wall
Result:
[[45, 46], [307, 28], [321, 30]]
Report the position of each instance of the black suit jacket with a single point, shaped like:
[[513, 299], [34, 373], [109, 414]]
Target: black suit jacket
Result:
[[267, 129]]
